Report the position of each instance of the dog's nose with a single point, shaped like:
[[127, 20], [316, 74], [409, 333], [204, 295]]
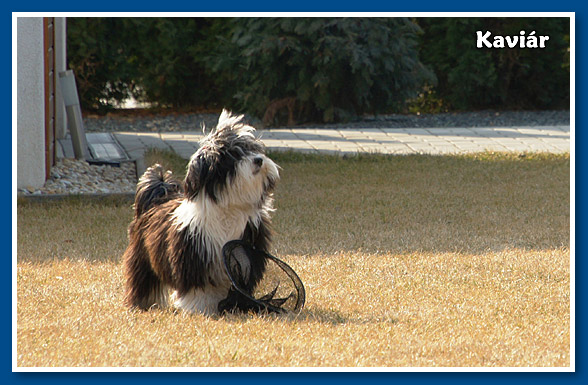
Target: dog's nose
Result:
[[258, 161]]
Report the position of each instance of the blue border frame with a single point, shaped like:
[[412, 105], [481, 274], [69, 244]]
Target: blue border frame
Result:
[[299, 6], [313, 6]]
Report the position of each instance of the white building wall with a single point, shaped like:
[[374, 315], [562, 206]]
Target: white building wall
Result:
[[30, 103]]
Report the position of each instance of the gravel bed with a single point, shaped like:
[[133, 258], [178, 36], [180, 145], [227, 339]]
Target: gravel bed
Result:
[[194, 122], [462, 119], [161, 123], [71, 176]]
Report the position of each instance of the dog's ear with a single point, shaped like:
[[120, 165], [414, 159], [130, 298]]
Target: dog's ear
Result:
[[195, 175]]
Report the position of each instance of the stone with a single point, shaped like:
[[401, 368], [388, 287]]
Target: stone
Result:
[[71, 176]]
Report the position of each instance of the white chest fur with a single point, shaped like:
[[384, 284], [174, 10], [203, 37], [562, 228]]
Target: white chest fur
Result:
[[215, 225]]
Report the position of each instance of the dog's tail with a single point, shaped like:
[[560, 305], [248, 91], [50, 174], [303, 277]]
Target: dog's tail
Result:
[[155, 186]]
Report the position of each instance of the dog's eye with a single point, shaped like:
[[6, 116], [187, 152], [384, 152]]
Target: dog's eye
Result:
[[258, 161]]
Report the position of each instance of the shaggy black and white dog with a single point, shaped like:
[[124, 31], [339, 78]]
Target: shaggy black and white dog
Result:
[[178, 231]]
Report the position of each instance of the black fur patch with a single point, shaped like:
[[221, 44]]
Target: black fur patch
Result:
[[155, 186]]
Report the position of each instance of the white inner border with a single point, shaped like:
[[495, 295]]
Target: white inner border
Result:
[[571, 15]]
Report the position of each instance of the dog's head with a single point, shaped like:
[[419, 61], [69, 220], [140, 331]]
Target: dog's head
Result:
[[230, 166]]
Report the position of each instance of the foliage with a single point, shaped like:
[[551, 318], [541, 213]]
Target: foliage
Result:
[[148, 58], [332, 68], [470, 77], [167, 69], [318, 69], [98, 52], [427, 101]]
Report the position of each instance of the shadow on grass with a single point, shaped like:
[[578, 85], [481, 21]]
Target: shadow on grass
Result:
[[321, 315], [402, 204], [313, 314], [332, 317], [368, 203], [336, 317]]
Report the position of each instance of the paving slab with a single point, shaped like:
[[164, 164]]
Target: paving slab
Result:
[[132, 145]]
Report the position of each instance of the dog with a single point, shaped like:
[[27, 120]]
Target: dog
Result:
[[179, 229]]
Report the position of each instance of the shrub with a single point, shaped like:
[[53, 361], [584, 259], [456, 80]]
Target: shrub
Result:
[[168, 69], [469, 77], [151, 59], [98, 52], [318, 69], [288, 70]]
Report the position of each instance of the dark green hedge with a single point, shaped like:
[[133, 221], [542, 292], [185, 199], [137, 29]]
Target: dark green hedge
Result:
[[331, 69], [320, 69], [153, 59], [99, 52], [517, 78]]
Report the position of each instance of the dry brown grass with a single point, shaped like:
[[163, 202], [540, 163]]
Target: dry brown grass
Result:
[[407, 261]]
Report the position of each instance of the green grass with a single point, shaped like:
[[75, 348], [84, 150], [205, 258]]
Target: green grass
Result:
[[407, 261], [169, 160]]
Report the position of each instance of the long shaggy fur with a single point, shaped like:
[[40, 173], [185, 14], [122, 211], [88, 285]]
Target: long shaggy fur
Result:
[[179, 229]]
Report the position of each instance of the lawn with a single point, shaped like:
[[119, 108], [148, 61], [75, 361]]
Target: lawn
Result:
[[407, 261]]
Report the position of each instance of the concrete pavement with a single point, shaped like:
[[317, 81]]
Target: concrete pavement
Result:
[[554, 139], [132, 145]]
